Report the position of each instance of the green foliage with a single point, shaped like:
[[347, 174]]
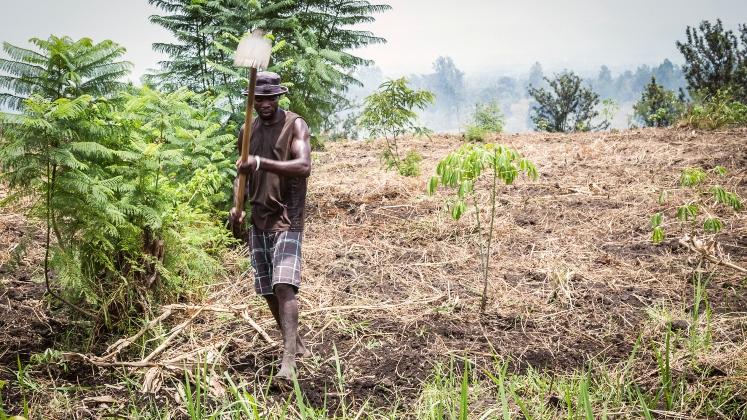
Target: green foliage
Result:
[[475, 134], [610, 107], [691, 177], [486, 119], [60, 68], [390, 113], [461, 169], [566, 106], [717, 111], [318, 143], [657, 107], [728, 198], [663, 356], [704, 200], [715, 60], [687, 212], [410, 165], [130, 189], [489, 117], [311, 51], [713, 225], [657, 233], [179, 133]]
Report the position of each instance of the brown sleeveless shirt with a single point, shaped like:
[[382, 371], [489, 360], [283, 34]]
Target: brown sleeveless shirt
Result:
[[277, 201]]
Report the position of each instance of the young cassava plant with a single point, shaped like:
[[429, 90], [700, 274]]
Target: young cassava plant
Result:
[[699, 214], [461, 169]]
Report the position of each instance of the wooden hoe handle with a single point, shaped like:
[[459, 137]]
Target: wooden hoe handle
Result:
[[239, 198]]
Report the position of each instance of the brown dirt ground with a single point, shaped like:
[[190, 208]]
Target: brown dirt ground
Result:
[[391, 282]]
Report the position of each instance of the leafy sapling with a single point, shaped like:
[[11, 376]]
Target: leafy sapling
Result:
[[657, 231], [390, 113], [461, 169], [486, 119], [691, 177], [705, 200]]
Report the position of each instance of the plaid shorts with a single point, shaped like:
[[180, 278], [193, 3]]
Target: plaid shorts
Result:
[[276, 258]]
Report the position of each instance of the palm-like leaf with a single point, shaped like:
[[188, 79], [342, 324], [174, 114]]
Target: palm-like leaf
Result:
[[61, 68]]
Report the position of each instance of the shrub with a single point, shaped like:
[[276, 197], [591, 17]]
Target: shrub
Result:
[[489, 117], [390, 113], [720, 110], [129, 191], [657, 107], [409, 166], [475, 133], [486, 119]]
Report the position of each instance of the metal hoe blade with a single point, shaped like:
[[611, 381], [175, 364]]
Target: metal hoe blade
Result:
[[253, 51]]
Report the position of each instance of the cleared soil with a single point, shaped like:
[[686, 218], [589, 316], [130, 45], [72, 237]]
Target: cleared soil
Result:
[[392, 285]]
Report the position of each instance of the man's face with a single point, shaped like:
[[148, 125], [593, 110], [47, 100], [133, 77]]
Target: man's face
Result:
[[266, 106]]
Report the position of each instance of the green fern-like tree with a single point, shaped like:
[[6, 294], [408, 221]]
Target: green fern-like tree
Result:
[[129, 189], [60, 67], [313, 40], [57, 153]]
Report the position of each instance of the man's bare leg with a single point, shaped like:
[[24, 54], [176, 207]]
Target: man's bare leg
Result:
[[288, 313], [272, 303]]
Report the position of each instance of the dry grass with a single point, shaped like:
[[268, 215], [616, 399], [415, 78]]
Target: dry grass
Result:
[[392, 283]]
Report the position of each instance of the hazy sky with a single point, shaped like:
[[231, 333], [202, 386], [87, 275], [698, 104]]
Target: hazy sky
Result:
[[478, 35]]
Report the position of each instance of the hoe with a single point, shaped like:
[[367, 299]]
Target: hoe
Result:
[[253, 53]]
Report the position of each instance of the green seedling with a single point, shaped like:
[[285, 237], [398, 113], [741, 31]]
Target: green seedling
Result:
[[390, 113], [461, 169], [703, 203]]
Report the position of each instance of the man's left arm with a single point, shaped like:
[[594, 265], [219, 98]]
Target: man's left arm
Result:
[[299, 163]]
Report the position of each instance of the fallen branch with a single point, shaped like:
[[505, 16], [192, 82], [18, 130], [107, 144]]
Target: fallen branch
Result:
[[707, 251], [257, 327], [122, 343], [174, 332], [169, 364], [241, 311]]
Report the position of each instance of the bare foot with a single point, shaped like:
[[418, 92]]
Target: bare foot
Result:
[[287, 368], [301, 350]]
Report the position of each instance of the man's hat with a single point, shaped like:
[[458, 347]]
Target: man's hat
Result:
[[268, 84]]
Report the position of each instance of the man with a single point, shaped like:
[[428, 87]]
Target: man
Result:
[[279, 163]]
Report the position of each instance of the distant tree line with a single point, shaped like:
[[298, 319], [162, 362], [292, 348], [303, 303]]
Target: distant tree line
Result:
[[458, 95], [714, 69]]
